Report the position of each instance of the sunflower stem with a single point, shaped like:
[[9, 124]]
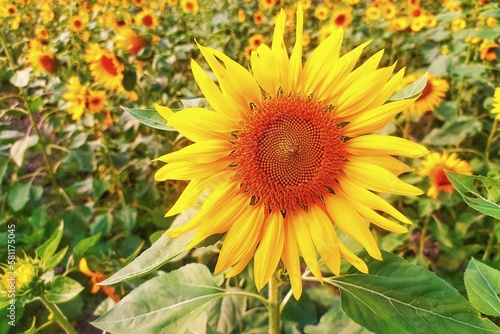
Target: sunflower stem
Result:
[[490, 140], [59, 317], [274, 303], [422, 235]]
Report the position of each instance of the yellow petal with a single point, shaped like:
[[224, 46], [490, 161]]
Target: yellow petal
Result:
[[376, 118], [353, 259], [268, 253], [201, 152], [360, 94], [164, 112], [234, 79], [392, 164], [265, 71], [191, 171], [389, 88], [378, 179], [305, 242], [295, 70], [332, 87], [323, 57], [291, 259], [241, 238], [84, 268], [351, 223], [324, 238], [200, 124], [221, 217], [371, 200], [375, 144], [223, 104], [279, 50]]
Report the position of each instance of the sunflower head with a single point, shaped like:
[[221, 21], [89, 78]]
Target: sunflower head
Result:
[[435, 166], [42, 60], [431, 97], [287, 155], [104, 66]]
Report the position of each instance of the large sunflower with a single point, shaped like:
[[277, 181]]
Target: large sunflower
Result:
[[288, 157]]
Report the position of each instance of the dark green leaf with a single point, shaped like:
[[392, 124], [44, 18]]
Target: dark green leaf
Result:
[[412, 90], [63, 289], [19, 195], [483, 286], [49, 247], [126, 217], [149, 117], [399, 297], [453, 132], [129, 80], [165, 304], [83, 245], [55, 259], [102, 224], [159, 253], [485, 203]]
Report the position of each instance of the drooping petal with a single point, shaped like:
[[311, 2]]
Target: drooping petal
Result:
[[304, 241], [392, 164], [279, 50], [376, 118], [201, 152], [351, 223], [378, 179], [200, 124], [291, 259], [194, 190], [295, 70], [325, 239], [164, 112], [371, 200], [376, 144], [241, 238], [353, 259], [269, 251]]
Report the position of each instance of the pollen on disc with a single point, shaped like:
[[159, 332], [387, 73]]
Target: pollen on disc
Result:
[[289, 152]]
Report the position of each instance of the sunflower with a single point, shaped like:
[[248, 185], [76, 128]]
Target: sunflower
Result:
[[95, 100], [127, 38], [147, 18], [431, 97], [190, 6], [435, 166], [288, 156], [77, 97], [495, 102], [267, 4], [42, 60], [458, 24], [41, 33], [241, 15], [258, 18], [104, 66], [342, 18], [256, 40], [78, 22], [487, 50], [321, 12]]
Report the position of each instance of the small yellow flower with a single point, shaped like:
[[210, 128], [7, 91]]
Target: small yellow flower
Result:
[[435, 165], [267, 4], [41, 32], [373, 13], [458, 24], [321, 13], [147, 18], [190, 6], [95, 100], [487, 50], [241, 15], [495, 102], [342, 18]]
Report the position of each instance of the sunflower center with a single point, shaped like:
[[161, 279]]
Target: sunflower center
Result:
[[290, 152], [108, 64], [147, 20], [48, 63], [441, 179]]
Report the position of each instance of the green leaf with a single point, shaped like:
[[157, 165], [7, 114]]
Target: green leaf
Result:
[[165, 304], [55, 259], [83, 245], [19, 195], [126, 217], [19, 148], [453, 132], [225, 315], [21, 78], [129, 80], [149, 117], [411, 90], [102, 224], [487, 203], [399, 297], [162, 251], [63, 289], [49, 247], [483, 286], [335, 321]]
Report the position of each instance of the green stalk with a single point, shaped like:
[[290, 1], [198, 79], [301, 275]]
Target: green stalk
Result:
[[59, 317], [490, 140], [274, 304]]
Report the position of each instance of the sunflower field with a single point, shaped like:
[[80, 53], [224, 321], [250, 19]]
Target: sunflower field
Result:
[[249, 166]]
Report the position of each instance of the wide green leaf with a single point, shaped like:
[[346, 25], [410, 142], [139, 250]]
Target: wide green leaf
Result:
[[83, 245], [399, 297], [488, 202], [165, 304], [63, 289], [49, 247], [483, 286], [162, 251], [19, 195], [411, 90], [453, 132], [149, 117]]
